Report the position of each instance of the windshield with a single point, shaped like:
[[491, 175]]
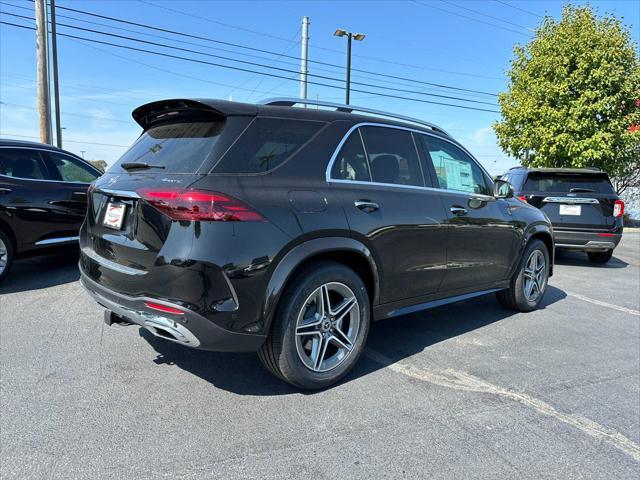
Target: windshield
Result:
[[178, 147]]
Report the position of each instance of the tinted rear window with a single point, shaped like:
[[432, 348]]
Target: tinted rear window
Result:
[[266, 144], [178, 147], [567, 184]]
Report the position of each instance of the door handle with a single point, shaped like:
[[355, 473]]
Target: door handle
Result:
[[458, 211], [80, 193], [5, 190], [366, 205]]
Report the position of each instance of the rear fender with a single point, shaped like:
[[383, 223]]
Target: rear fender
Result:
[[305, 251], [544, 232]]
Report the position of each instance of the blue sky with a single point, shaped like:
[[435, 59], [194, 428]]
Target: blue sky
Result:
[[462, 44]]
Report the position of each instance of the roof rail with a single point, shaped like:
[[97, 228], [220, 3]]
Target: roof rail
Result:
[[291, 101]]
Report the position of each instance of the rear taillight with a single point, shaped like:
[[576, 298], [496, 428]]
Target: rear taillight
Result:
[[522, 198], [198, 205], [618, 208]]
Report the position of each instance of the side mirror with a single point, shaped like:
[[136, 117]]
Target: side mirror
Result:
[[502, 189]]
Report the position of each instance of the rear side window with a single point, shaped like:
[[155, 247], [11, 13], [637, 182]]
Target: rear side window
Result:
[[351, 162], [22, 163], [69, 169], [266, 144], [392, 155], [178, 147], [567, 183]]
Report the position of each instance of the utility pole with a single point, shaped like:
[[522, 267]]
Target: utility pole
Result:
[[44, 101], [304, 69], [54, 55]]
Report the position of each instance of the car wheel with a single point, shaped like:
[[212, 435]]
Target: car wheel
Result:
[[600, 257], [530, 281], [6, 255], [320, 327]]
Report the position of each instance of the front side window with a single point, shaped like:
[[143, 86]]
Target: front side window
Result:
[[22, 163], [454, 169], [392, 156], [267, 143], [70, 170], [351, 161]]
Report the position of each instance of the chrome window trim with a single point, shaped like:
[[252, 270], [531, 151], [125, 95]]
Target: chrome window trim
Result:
[[334, 156], [39, 150], [51, 241]]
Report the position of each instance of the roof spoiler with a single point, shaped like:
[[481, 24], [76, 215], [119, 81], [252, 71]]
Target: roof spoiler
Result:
[[161, 111]]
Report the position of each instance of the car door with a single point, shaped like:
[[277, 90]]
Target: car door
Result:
[[73, 176], [482, 232], [25, 194], [378, 176]]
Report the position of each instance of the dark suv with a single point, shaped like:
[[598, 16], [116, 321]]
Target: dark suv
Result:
[[43, 199], [581, 203], [286, 230]]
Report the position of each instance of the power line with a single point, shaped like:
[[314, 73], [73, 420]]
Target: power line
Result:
[[473, 93], [259, 65], [518, 8], [73, 114], [468, 17], [208, 39], [69, 140], [484, 14], [203, 62]]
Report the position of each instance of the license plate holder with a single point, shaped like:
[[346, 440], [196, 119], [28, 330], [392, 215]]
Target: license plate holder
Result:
[[575, 210], [114, 215]]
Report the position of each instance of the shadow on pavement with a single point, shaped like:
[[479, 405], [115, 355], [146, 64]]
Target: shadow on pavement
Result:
[[394, 339], [580, 259], [42, 272]]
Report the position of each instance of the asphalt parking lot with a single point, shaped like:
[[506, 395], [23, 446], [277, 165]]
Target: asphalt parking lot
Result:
[[467, 390]]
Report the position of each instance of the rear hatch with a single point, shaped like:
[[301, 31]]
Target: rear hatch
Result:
[[127, 222], [582, 200]]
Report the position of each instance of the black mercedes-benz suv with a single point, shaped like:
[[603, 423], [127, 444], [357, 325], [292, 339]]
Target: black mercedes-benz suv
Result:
[[287, 230], [581, 203]]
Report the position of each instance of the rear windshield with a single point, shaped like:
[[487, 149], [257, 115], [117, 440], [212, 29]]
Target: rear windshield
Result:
[[266, 144], [567, 184], [178, 147]]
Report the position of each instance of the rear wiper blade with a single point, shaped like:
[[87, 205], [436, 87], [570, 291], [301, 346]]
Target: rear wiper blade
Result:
[[135, 165], [580, 190]]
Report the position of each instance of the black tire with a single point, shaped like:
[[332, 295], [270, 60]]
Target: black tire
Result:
[[6, 255], [280, 352], [600, 257], [515, 297]]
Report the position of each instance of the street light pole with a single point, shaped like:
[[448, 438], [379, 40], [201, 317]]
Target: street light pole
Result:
[[350, 36]]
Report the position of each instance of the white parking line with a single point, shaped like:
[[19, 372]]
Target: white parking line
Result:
[[604, 304], [458, 380]]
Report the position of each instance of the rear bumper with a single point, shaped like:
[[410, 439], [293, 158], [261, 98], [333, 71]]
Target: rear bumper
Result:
[[189, 329], [586, 241]]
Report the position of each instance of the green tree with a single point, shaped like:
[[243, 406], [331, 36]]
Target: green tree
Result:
[[573, 96], [99, 164]]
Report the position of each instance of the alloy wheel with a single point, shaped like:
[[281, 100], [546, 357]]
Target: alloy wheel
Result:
[[535, 276], [327, 327], [3, 256]]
